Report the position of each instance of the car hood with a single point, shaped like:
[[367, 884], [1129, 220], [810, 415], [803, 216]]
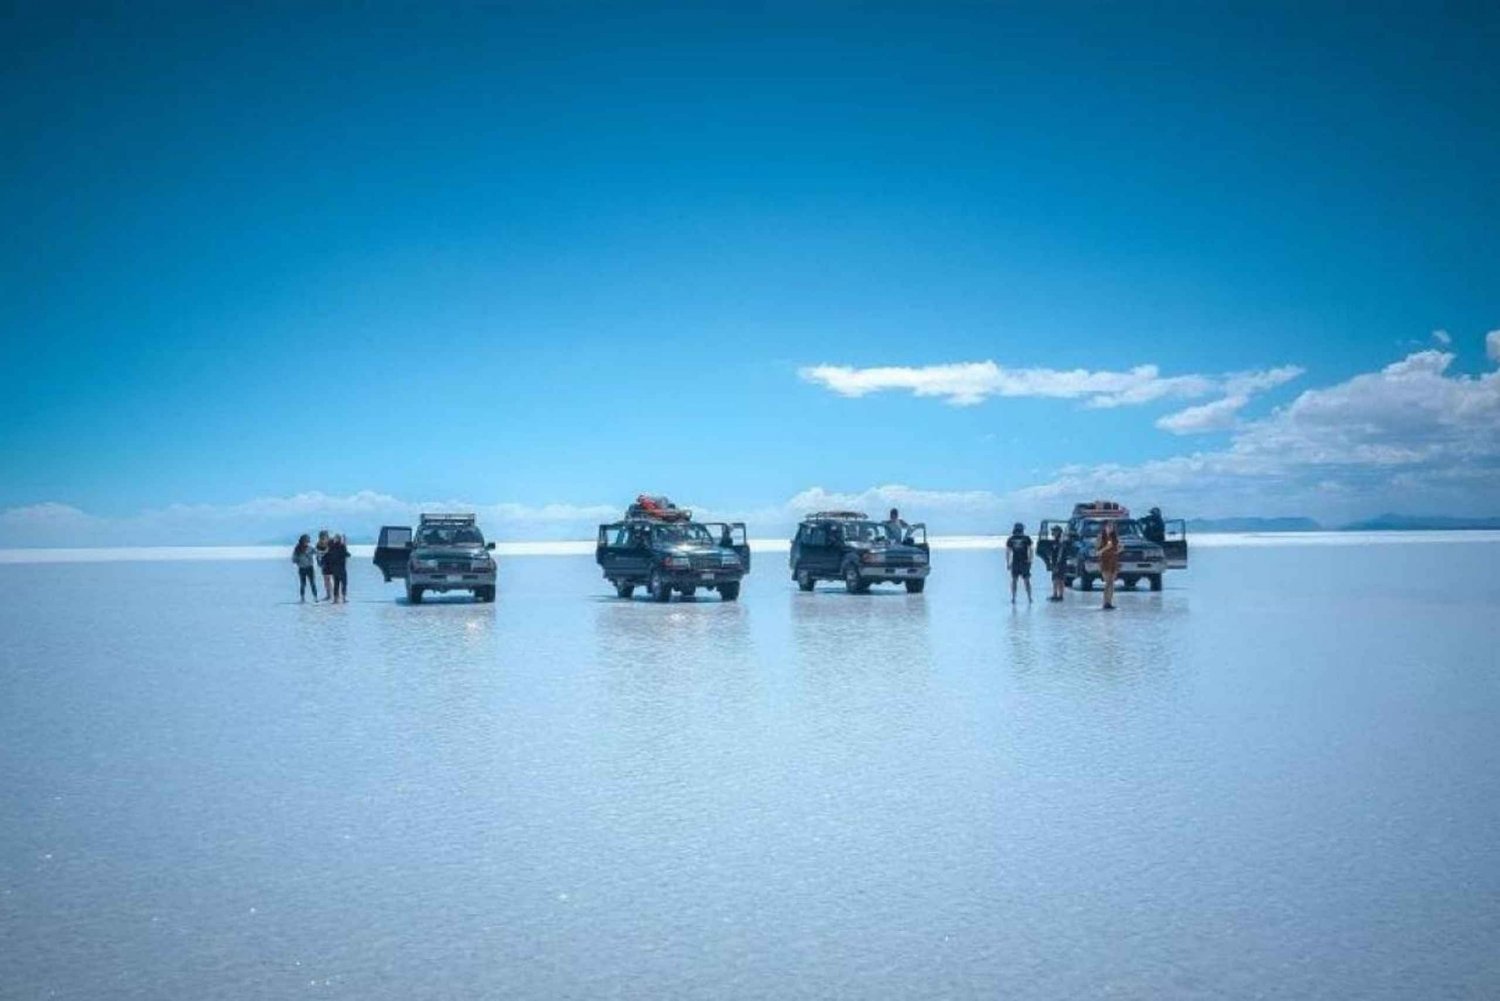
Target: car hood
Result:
[[448, 553], [885, 547], [692, 550]]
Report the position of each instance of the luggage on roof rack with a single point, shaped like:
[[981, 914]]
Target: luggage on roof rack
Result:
[[838, 516], [658, 507]]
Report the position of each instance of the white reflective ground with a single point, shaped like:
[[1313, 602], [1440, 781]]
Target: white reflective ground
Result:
[[1278, 778]]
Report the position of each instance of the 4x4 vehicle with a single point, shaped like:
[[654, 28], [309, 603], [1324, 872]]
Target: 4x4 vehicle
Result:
[[447, 553], [1140, 558], [848, 546], [660, 546]]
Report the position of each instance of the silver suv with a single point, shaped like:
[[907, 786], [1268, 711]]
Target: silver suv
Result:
[[447, 553]]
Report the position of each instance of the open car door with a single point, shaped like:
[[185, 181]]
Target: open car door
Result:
[[916, 535], [1175, 545], [1044, 543], [393, 551], [623, 550], [734, 532]]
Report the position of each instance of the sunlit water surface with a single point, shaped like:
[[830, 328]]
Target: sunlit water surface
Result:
[[1278, 778]]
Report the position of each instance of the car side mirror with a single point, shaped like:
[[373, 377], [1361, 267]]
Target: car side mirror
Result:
[[489, 545]]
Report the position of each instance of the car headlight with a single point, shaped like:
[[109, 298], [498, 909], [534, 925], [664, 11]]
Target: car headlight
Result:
[[677, 562], [919, 558], [481, 563], [872, 557], [423, 565]]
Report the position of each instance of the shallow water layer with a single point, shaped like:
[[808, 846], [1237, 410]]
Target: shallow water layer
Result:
[[1276, 778]]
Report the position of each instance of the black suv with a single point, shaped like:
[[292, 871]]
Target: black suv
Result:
[[848, 546], [448, 553], [660, 547]]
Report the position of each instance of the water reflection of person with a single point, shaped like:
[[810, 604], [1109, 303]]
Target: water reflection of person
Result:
[[1109, 560]]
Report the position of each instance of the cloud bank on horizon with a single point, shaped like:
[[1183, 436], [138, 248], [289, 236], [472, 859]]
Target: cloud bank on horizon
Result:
[[1412, 436]]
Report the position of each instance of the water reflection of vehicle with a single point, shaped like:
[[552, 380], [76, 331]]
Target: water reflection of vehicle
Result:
[[848, 546]]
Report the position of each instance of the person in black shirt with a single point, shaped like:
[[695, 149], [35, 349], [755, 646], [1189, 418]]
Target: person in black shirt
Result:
[[335, 565], [1153, 527], [1018, 559], [1055, 564]]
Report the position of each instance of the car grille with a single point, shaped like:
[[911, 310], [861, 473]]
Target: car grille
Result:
[[453, 566]]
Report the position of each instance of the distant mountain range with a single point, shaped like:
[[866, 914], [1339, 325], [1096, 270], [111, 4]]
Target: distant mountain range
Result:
[[1379, 523]]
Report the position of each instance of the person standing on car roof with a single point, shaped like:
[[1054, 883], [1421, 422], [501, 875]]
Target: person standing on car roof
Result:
[[1109, 560], [1055, 565], [336, 566], [1018, 560], [303, 557]]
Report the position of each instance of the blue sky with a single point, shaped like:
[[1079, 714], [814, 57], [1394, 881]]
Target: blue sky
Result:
[[270, 264]]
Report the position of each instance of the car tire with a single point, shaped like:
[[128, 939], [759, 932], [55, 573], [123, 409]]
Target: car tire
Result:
[[414, 595], [852, 582], [1130, 582], [624, 590], [805, 580], [1085, 581], [659, 588], [730, 590], [485, 595], [1154, 579], [916, 586]]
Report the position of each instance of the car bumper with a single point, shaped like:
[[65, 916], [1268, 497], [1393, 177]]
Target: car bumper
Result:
[[701, 578], [1131, 567], [457, 581], [871, 572]]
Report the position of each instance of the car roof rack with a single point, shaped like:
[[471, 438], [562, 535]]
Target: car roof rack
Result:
[[457, 519], [837, 516], [1101, 509]]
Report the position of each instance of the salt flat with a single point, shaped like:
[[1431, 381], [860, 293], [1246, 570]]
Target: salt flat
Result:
[[1276, 778]]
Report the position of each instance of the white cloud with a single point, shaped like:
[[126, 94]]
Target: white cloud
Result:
[[966, 384], [1442, 338], [1216, 416], [263, 519], [1410, 433], [1492, 345], [1222, 414]]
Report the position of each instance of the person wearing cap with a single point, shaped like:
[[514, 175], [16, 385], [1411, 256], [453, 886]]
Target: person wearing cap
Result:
[[1056, 566], [1018, 560]]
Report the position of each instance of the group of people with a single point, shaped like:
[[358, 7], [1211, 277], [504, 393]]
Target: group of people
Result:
[[330, 555], [1019, 552]]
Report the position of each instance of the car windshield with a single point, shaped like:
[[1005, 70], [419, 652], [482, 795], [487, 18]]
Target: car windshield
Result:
[[866, 531], [682, 533], [1127, 528], [449, 535]]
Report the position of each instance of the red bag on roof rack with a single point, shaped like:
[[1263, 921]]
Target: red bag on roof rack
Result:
[[658, 507]]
